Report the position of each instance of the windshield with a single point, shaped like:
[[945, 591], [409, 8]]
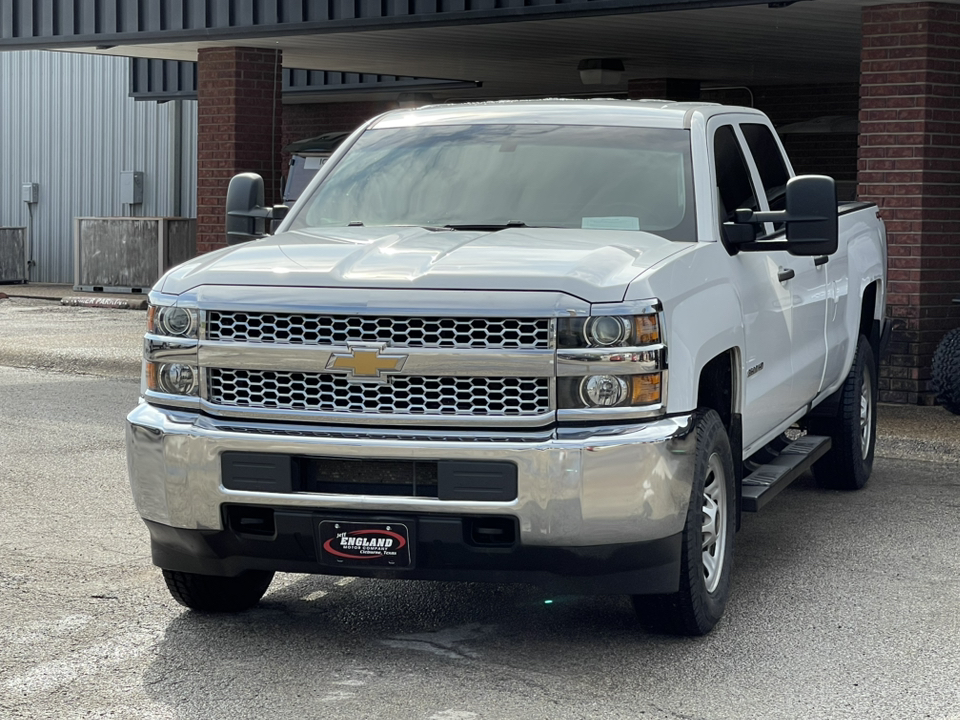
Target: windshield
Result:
[[495, 176]]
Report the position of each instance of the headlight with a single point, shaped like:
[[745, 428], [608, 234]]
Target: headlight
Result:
[[172, 378], [172, 321], [609, 391], [170, 353], [606, 331], [611, 366], [603, 390], [609, 331]]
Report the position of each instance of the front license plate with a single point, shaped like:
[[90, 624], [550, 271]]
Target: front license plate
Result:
[[352, 544]]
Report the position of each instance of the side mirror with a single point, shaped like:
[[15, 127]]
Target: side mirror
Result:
[[812, 225], [247, 218], [810, 217]]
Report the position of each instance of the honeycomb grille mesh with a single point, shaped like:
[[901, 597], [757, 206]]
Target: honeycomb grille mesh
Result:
[[317, 392], [419, 332]]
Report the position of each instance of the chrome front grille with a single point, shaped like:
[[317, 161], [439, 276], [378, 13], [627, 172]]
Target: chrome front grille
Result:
[[404, 395], [398, 332]]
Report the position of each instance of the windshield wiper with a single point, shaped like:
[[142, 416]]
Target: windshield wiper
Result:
[[488, 228], [431, 228]]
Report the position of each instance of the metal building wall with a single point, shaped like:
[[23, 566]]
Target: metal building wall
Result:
[[68, 124]]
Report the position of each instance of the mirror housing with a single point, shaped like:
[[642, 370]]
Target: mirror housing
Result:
[[812, 224], [811, 218], [247, 218]]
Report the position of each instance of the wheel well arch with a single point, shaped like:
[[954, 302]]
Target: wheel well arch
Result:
[[869, 323], [718, 386]]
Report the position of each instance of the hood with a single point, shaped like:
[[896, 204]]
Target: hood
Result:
[[594, 265]]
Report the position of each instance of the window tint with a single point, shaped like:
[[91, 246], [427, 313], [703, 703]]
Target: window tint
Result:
[[733, 175], [766, 154]]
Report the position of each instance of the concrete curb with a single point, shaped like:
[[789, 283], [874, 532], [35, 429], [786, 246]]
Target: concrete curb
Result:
[[138, 303]]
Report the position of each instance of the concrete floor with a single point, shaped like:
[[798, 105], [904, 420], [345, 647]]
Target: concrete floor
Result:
[[844, 606]]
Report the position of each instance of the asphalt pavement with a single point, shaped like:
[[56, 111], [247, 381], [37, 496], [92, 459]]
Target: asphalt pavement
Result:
[[845, 605]]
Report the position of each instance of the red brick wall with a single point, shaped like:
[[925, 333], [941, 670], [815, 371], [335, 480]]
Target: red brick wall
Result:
[[239, 118], [910, 166]]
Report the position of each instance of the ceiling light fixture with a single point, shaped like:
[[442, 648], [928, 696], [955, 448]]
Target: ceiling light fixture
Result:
[[600, 71]]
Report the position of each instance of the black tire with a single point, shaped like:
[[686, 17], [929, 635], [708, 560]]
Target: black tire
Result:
[[210, 593], [699, 603], [946, 371], [853, 430]]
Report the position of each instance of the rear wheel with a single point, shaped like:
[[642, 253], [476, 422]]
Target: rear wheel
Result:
[[853, 430], [211, 593], [707, 551], [946, 371]]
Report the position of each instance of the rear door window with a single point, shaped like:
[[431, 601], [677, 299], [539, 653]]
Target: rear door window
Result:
[[769, 160]]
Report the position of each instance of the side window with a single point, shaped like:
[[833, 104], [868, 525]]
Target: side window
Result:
[[733, 176], [766, 154]]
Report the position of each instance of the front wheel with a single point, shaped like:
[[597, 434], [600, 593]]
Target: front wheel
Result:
[[707, 551], [853, 430], [211, 593]]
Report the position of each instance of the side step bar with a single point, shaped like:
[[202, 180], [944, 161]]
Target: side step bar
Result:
[[766, 482]]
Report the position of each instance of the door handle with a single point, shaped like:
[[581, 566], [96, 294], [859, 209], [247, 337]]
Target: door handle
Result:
[[785, 274], [822, 260]]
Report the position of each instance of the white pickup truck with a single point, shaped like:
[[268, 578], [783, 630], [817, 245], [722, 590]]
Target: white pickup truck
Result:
[[559, 342]]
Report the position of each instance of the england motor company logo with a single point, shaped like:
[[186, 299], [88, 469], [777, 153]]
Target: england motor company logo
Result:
[[366, 544]]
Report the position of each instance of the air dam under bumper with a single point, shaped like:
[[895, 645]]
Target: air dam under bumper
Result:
[[597, 510]]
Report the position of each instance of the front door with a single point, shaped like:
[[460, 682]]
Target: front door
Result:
[[766, 302]]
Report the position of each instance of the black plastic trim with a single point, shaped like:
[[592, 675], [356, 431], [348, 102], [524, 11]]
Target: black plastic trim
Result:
[[440, 548]]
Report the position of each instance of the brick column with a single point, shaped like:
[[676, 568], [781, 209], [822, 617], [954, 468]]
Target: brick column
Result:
[[909, 164], [663, 89], [239, 123]]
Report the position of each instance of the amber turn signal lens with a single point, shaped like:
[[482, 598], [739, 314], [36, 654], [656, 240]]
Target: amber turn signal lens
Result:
[[645, 389], [152, 319], [152, 382], [646, 328]]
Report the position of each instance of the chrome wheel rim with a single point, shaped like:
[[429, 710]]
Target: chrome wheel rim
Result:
[[866, 411], [714, 529]]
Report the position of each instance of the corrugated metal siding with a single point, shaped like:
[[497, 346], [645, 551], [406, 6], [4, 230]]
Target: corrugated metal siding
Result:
[[188, 160], [67, 123]]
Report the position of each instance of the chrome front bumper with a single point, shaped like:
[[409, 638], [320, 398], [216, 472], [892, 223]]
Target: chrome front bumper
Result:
[[577, 488]]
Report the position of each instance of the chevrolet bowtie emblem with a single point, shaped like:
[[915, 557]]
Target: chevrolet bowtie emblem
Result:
[[366, 362]]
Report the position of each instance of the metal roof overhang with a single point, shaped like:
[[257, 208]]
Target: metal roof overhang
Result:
[[162, 80], [516, 48]]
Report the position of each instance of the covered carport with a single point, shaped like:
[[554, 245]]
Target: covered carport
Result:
[[895, 67]]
